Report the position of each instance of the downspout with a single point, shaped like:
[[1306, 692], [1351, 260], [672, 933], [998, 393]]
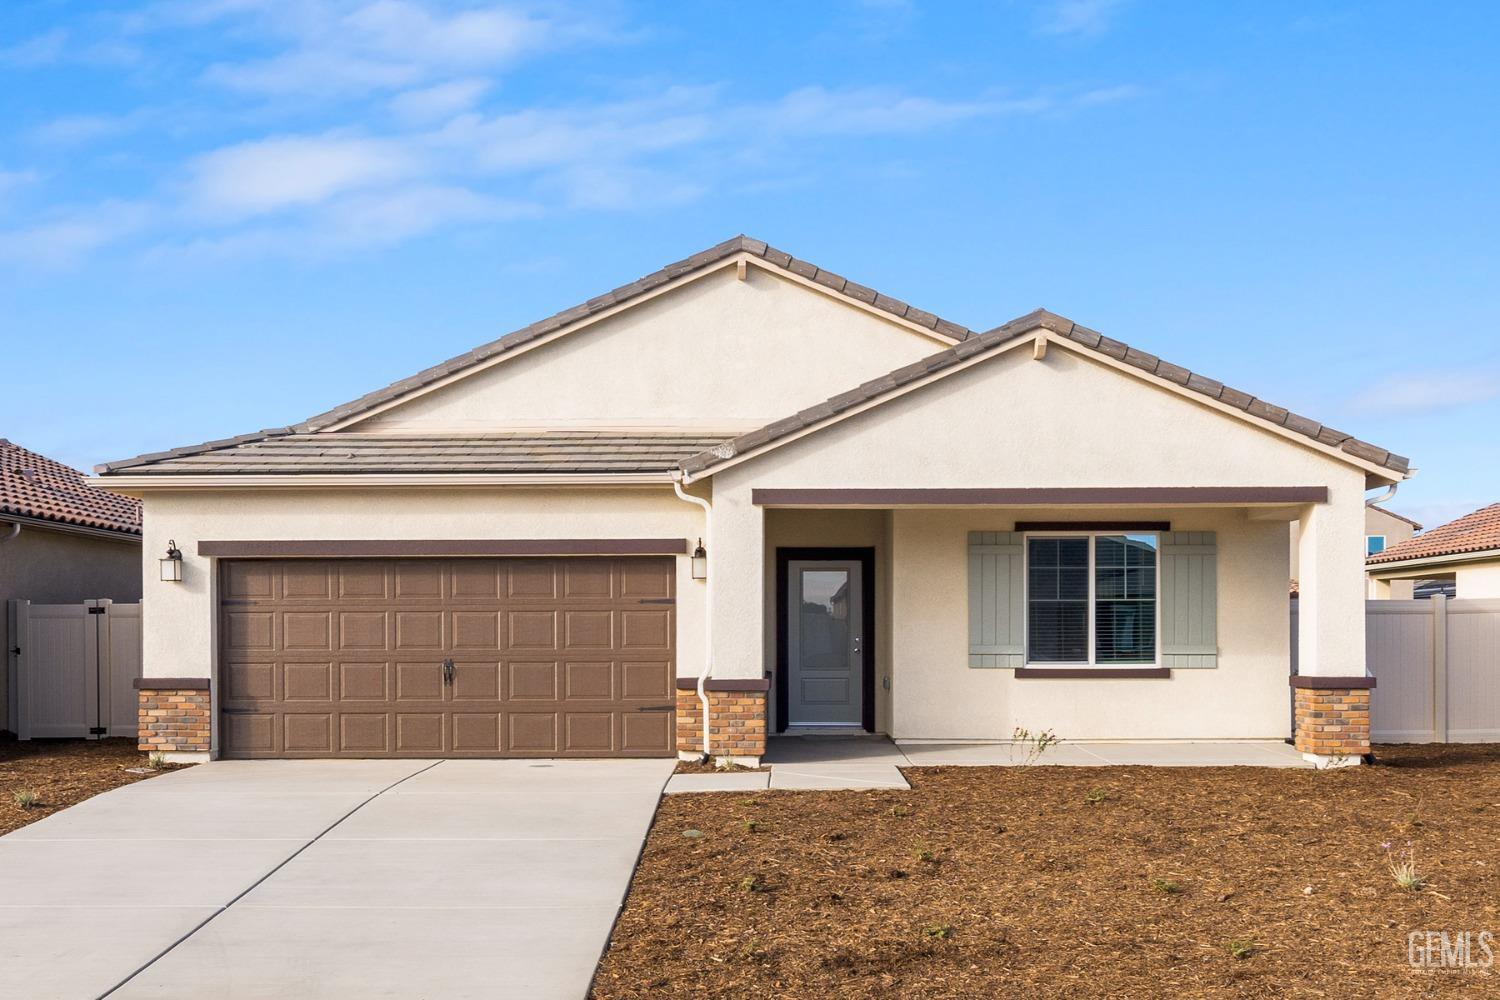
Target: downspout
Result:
[[1389, 492], [678, 478]]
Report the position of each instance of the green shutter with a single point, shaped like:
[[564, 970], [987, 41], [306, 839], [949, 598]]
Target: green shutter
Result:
[[995, 599], [1189, 599]]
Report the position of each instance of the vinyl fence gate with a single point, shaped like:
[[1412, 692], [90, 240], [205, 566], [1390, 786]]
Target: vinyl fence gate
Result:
[[1436, 664], [73, 669]]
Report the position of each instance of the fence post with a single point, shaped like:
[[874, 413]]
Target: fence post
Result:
[[1440, 667]]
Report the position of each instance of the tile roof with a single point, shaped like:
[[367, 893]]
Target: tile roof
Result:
[[283, 452], [707, 258], [35, 486], [1476, 532], [1008, 333]]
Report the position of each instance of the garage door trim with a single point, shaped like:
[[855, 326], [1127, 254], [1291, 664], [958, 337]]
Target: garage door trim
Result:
[[439, 548]]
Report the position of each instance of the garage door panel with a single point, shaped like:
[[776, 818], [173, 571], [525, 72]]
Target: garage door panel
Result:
[[419, 682], [364, 681], [585, 681], [419, 630], [476, 630], [308, 732], [345, 658], [307, 682]]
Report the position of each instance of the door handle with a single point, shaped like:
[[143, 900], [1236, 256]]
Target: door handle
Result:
[[856, 644], [448, 672]]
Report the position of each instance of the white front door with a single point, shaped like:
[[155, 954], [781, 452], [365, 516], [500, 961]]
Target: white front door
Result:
[[825, 679]]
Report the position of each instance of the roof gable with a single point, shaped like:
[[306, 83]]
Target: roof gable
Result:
[[1038, 326], [562, 323]]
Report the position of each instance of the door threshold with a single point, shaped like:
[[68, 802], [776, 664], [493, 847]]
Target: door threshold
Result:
[[793, 729]]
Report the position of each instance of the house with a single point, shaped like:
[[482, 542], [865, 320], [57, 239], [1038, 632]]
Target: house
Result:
[[62, 540], [1383, 528], [747, 495], [1464, 552]]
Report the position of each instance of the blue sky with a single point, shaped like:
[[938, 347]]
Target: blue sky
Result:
[[222, 215]]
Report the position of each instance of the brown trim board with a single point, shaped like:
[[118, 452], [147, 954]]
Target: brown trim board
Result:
[[170, 683], [1093, 673], [1040, 496], [725, 684], [1025, 526], [1311, 683], [417, 548]]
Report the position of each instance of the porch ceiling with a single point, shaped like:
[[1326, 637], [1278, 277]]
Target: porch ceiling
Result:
[[1107, 496]]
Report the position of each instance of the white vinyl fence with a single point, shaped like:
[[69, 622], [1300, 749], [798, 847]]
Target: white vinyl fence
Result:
[[73, 668], [1437, 670]]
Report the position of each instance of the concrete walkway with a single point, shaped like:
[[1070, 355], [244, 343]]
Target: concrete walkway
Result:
[[834, 762], [250, 879]]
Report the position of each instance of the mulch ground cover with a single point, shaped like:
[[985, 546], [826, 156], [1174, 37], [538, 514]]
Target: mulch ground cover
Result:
[[709, 767], [62, 773], [1070, 882]]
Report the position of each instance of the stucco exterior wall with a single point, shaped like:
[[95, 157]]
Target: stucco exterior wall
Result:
[[718, 353], [178, 618], [1065, 421], [1477, 580], [56, 567]]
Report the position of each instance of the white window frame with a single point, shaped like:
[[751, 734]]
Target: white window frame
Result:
[[1026, 538]]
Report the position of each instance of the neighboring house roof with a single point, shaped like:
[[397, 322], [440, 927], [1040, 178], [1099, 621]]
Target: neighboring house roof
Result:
[[490, 453], [1476, 532], [708, 258], [34, 486], [954, 357]]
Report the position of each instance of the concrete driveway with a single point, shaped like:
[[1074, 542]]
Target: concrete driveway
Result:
[[328, 879]]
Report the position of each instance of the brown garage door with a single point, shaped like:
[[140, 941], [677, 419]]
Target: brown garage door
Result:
[[447, 657]]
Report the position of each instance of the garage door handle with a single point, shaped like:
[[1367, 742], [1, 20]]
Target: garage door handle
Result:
[[657, 708], [448, 672]]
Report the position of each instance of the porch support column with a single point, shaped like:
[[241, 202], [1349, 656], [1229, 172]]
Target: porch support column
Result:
[[1332, 698], [737, 689]]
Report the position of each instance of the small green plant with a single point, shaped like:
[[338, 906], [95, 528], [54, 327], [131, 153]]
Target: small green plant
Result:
[[156, 760], [752, 883], [1031, 745], [900, 812], [1165, 886], [941, 932], [751, 826], [1241, 948], [1096, 796], [25, 798], [1403, 865], [923, 853]]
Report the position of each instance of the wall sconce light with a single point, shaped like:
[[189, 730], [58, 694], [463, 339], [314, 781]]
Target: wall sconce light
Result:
[[171, 563], [700, 562]]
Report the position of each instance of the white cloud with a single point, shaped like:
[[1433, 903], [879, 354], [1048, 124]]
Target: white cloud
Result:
[[40, 50], [10, 180], [1427, 392], [1079, 18], [385, 217], [441, 101], [273, 174], [877, 111], [467, 38], [72, 234], [70, 130]]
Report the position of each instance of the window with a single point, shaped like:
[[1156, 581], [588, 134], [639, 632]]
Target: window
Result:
[[1374, 544], [1091, 599]]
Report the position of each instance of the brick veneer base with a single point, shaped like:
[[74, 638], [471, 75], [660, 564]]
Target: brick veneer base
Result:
[[736, 722], [173, 720], [1333, 722]]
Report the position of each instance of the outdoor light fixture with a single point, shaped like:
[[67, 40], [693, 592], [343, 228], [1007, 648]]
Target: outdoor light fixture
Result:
[[171, 563], [700, 562]]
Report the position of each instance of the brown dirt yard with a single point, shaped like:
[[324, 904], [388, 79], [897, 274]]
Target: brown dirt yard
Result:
[[61, 773], [1070, 882]]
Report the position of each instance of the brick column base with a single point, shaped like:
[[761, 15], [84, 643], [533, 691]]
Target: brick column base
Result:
[[1333, 717], [736, 719], [174, 716]]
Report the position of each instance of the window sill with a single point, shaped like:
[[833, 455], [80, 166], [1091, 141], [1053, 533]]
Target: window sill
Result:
[[1093, 673]]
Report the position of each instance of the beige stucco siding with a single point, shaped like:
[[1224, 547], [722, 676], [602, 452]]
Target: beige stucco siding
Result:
[[1477, 580], [717, 352], [1377, 522], [56, 567], [179, 617]]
